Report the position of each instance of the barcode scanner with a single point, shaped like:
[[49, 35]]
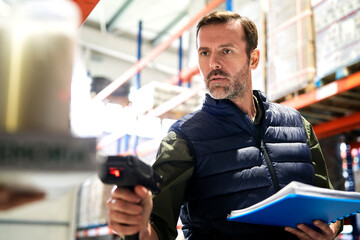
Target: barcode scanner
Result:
[[129, 171]]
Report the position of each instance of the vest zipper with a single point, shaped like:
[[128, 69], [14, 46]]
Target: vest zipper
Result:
[[266, 155], [270, 166]]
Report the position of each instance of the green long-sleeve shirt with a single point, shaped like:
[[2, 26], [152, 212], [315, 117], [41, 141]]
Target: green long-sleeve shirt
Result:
[[175, 163]]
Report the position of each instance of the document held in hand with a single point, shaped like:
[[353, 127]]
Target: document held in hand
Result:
[[300, 203]]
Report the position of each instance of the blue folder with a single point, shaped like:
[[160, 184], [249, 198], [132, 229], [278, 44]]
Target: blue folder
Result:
[[289, 208]]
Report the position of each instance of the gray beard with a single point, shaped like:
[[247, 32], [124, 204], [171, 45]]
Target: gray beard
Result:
[[236, 90]]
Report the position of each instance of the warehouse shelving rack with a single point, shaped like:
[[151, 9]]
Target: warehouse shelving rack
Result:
[[332, 109]]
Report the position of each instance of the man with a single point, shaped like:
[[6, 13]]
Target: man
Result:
[[236, 151]]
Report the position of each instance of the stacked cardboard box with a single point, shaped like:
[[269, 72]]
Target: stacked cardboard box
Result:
[[290, 48], [337, 26]]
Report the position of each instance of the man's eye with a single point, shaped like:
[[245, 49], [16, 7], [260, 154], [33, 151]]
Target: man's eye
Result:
[[204, 53], [227, 51]]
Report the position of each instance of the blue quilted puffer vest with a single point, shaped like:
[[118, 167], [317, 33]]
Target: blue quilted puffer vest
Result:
[[236, 165]]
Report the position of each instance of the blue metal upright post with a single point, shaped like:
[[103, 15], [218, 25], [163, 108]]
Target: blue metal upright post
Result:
[[229, 5], [180, 59], [138, 74], [139, 53], [118, 149], [127, 140], [136, 142]]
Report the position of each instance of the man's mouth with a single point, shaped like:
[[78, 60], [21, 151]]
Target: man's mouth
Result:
[[218, 78], [217, 74]]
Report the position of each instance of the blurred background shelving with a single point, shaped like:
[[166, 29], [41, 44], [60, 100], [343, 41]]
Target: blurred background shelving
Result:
[[135, 73]]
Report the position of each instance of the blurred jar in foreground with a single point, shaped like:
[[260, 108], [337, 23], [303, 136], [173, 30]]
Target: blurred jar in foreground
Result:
[[43, 40], [5, 13]]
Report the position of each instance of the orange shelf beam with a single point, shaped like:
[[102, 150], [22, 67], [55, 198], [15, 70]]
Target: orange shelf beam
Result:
[[337, 126], [185, 75], [324, 92], [86, 7]]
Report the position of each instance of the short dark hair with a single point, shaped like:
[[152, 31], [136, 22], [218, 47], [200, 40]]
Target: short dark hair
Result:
[[219, 17]]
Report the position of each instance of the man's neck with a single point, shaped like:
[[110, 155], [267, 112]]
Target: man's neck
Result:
[[247, 105]]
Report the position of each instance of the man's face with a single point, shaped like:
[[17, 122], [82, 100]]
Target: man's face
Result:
[[223, 62]]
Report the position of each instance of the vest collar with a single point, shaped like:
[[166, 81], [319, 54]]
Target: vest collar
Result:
[[227, 107]]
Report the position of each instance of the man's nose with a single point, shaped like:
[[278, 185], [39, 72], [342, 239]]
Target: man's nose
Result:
[[214, 62]]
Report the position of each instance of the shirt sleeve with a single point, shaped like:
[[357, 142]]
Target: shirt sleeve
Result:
[[174, 163], [321, 174]]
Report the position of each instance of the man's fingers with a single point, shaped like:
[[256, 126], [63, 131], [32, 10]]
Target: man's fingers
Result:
[[325, 228], [144, 193], [125, 194], [123, 218], [122, 229], [305, 232], [124, 206], [324, 231], [298, 233], [146, 202], [310, 232]]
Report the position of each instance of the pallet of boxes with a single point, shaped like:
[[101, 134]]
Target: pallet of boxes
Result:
[[290, 48], [337, 29]]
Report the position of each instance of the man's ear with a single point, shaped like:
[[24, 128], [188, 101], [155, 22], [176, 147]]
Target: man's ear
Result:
[[254, 59]]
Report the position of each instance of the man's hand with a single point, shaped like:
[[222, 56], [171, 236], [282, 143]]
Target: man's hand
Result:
[[129, 212], [326, 232]]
